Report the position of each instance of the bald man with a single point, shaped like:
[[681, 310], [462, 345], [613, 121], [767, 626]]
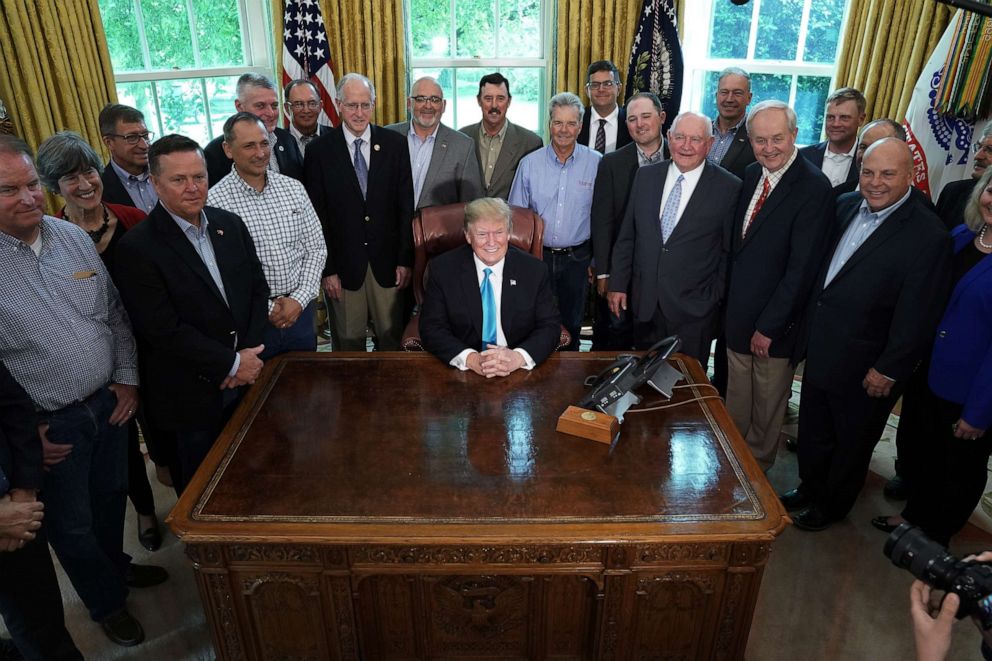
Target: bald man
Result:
[[872, 316]]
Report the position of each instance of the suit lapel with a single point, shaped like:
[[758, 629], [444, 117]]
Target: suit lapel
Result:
[[775, 198], [175, 239], [470, 290], [345, 162], [889, 228], [507, 154], [697, 200], [652, 208], [438, 154], [222, 239]]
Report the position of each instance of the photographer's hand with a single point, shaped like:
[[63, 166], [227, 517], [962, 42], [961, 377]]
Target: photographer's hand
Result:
[[932, 632]]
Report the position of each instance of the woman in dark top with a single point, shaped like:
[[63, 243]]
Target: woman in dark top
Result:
[[68, 166], [957, 398]]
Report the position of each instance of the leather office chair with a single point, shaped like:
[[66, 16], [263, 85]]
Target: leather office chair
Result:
[[436, 230]]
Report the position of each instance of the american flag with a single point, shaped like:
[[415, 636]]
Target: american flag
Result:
[[306, 54]]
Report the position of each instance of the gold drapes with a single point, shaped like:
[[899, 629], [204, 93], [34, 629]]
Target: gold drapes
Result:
[[366, 37], [886, 45], [590, 30], [55, 71]]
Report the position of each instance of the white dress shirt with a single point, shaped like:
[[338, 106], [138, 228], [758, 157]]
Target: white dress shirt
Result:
[[366, 148], [836, 166], [610, 128], [689, 181]]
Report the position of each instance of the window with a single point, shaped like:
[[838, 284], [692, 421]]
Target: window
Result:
[[178, 60], [788, 46], [459, 42]]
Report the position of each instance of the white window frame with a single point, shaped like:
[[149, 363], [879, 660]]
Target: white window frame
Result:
[[489, 64], [256, 41]]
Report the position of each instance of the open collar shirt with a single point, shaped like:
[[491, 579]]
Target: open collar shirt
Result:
[[65, 333]]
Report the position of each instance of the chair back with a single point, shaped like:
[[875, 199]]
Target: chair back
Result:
[[436, 230]]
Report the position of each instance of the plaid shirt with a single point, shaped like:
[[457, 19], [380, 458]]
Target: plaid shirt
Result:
[[63, 330], [285, 229]]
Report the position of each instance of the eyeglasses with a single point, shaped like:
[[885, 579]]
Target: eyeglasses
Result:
[[352, 107], [557, 124], [134, 138], [694, 140], [300, 105], [979, 147], [606, 85], [421, 100], [90, 175]]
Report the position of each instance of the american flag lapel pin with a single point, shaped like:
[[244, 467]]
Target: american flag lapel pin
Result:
[[513, 282], [375, 147], [220, 232]]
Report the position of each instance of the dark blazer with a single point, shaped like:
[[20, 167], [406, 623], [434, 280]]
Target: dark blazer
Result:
[[453, 175], [20, 446], [360, 231], [623, 135], [517, 143], [814, 154], [773, 269], [952, 201], [451, 316], [187, 335], [113, 188], [610, 195], [740, 154], [961, 365], [882, 307], [685, 276], [287, 155]]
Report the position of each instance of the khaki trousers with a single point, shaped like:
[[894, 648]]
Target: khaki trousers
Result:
[[352, 311], [758, 391]]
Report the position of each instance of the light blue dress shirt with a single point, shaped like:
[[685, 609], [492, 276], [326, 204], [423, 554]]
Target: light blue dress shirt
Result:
[[857, 232]]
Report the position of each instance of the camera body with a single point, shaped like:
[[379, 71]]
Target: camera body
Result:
[[908, 547]]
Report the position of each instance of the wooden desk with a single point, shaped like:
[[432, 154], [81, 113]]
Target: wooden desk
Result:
[[386, 506]]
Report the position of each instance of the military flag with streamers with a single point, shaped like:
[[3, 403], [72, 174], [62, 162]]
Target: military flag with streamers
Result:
[[306, 54], [656, 57], [941, 141]]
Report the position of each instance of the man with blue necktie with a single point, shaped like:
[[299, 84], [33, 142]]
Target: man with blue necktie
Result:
[[488, 307]]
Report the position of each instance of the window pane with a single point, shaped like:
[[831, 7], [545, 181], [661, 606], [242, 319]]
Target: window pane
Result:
[[167, 30], [766, 86], [218, 33], [467, 88], [520, 28], [823, 33], [730, 31], [710, 79], [122, 34], [220, 101], [446, 79], [778, 29], [475, 35], [811, 98], [181, 105], [430, 28], [140, 96]]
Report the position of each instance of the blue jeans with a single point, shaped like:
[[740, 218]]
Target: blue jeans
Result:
[[85, 496], [570, 282], [298, 337]]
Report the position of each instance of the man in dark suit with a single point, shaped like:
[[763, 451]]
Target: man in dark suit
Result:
[[954, 196], [871, 319], [30, 601], [611, 192], [500, 142], [358, 177], [779, 235], [607, 119], [257, 95], [731, 148], [197, 298], [303, 108], [125, 179], [488, 306], [836, 155], [444, 162], [675, 260]]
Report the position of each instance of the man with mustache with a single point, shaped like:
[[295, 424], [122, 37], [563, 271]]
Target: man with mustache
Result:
[[303, 108], [501, 143], [835, 155], [443, 162], [125, 179]]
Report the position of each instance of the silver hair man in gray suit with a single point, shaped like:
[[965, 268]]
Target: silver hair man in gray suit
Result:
[[671, 247], [444, 162], [501, 143]]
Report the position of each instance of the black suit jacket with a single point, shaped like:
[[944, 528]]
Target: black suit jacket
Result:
[[952, 201], [451, 315], [623, 135], [113, 188], [187, 335], [882, 308], [685, 277], [773, 269], [20, 446], [610, 195], [814, 154], [287, 155], [740, 154], [360, 231]]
